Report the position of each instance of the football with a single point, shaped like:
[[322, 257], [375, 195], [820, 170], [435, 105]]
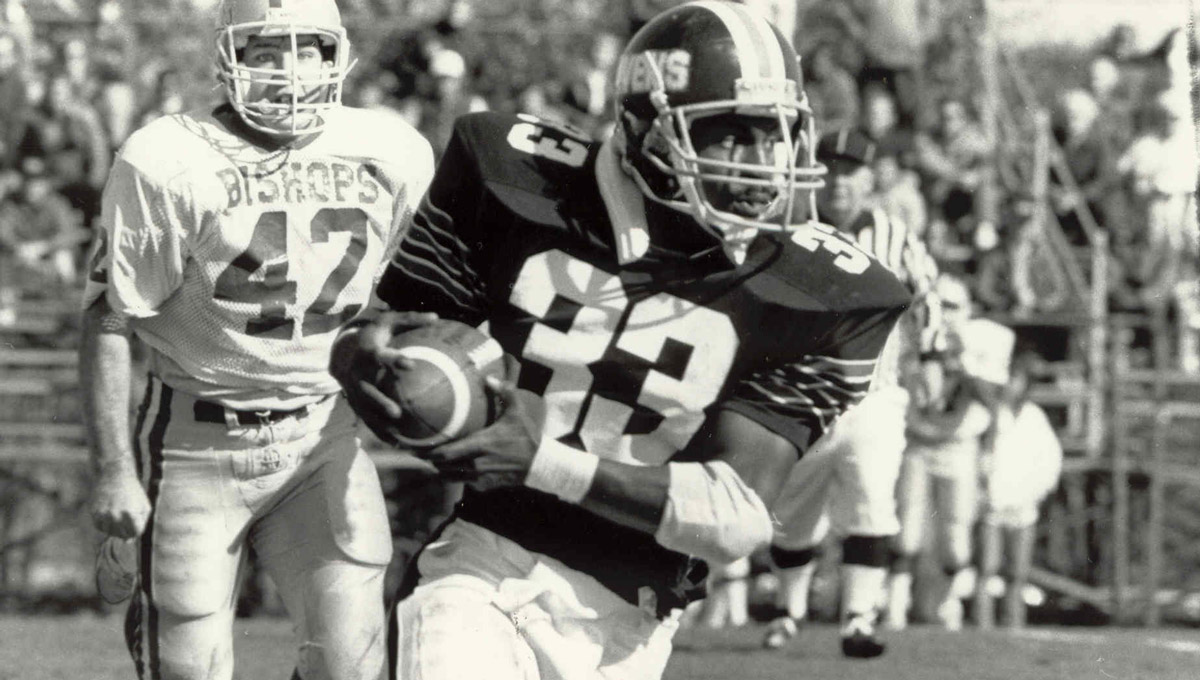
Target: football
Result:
[[443, 395]]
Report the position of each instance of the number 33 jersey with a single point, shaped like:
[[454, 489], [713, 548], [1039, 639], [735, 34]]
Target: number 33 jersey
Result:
[[238, 263], [538, 232]]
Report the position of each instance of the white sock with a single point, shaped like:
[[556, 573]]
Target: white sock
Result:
[[899, 598], [794, 584], [862, 588]]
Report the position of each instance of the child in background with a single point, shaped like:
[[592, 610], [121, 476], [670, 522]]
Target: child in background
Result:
[[1022, 468], [938, 491]]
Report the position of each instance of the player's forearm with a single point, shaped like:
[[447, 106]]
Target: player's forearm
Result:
[[105, 366], [630, 495], [703, 509]]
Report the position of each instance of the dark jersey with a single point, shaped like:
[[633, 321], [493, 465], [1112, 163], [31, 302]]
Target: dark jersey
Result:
[[534, 231]]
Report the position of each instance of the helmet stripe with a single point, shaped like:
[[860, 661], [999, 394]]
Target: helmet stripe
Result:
[[756, 44], [749, 53], [767, 41]]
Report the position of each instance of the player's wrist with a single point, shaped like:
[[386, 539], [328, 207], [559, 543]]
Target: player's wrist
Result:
[[562, 471], [116, 465]]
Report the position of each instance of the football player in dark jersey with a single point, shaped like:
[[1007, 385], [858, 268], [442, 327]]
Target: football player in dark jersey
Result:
[[680, 334]]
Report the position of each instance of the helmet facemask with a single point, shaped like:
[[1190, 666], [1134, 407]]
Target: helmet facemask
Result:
[[312, 92], [664, 150]]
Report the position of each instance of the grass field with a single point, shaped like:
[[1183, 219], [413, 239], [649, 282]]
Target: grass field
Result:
[[90, 647]]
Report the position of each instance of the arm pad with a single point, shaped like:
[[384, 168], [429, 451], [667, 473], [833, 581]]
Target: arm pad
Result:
[[712, 514]]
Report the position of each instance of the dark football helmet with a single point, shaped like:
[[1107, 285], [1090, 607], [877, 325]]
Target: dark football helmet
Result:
[[705, 59]]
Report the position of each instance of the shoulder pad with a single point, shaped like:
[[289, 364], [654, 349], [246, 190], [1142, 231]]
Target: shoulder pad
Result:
[[525, 152], [831, 269], [155, 148], [379, 134]]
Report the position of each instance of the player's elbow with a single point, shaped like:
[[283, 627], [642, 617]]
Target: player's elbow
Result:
[[712, 514], [739, 538]]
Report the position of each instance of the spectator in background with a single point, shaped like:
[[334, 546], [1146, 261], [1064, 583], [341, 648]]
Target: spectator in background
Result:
[[832, 91], [606, 48], [1089, 161], [450, 98], [1114, 118], [166, 98], [116, 103], [891, 35], [378, 93], [952, 65], [1159, 171], [14, 114], [67, 138], [955, 161], [15, 21], [897, 190], [1121, 44], [881, 124], [10, 293], [1169, 63], [1002, 280], [39, 236], [78, 67], [1021, 469]]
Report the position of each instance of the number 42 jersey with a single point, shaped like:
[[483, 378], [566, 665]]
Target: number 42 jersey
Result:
[[538, 233], [238, 263]]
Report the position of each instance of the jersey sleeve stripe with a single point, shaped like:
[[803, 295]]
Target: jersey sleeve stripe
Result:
[[843, 383], [433, 268], [827, 390], [850, 368], [442, 257], [839, 361], [458, 294], [436, 237], [801, 406], [442, 237]]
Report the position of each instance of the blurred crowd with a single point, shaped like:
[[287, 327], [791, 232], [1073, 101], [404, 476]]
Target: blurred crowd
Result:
[[908, 74]]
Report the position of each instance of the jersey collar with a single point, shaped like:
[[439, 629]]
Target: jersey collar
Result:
[[625, 204], [229, 119]]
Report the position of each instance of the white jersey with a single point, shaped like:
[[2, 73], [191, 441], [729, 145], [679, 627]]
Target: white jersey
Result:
[[237, 263]]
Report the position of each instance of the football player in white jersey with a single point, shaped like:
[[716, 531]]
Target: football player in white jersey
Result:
[[848, 479], [235, 241]]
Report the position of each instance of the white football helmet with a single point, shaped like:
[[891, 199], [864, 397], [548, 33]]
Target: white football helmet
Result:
[[310, 94]]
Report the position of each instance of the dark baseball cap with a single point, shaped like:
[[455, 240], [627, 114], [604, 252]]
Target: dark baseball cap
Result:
[[845, 147]]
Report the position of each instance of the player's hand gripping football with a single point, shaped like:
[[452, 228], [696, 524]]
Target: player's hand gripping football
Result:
[[363, 362], [119, 505], [500, 454]]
